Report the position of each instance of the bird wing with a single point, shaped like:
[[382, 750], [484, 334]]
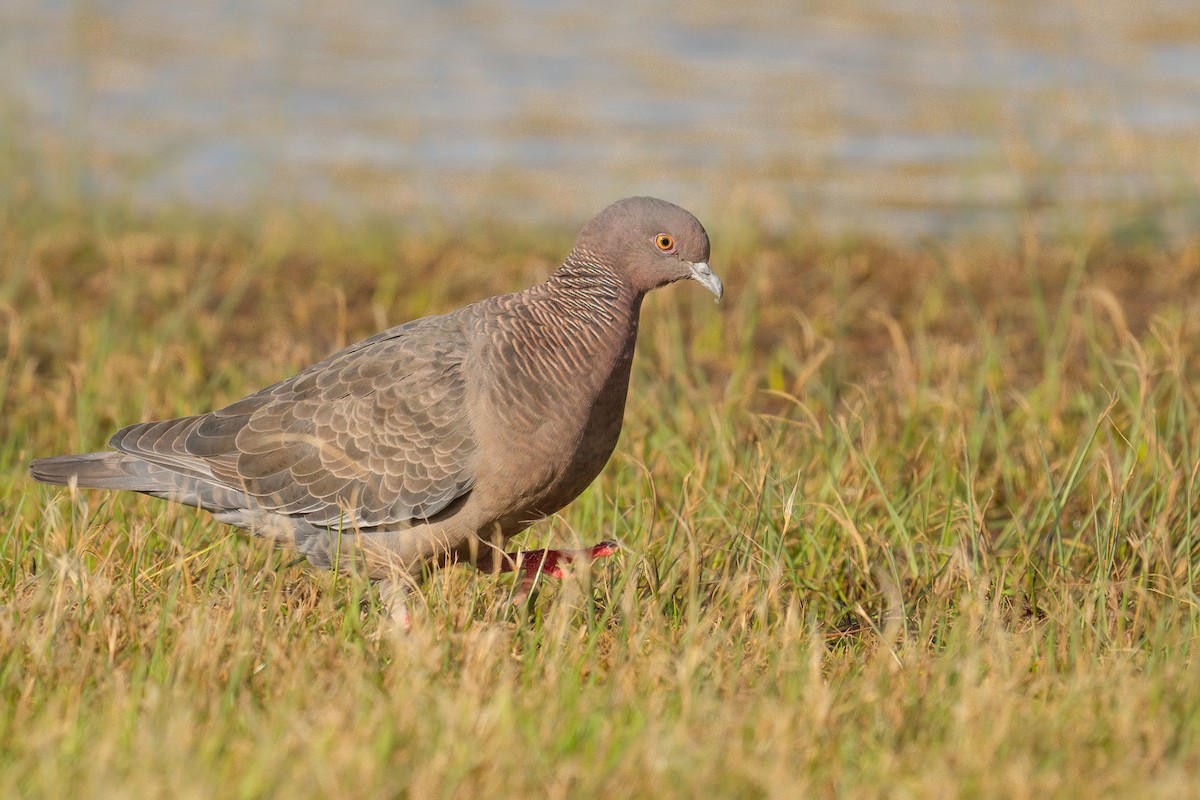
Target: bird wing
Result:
[[376, 434]]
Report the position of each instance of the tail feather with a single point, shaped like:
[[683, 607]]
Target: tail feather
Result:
[[113, 470], [108, 470]]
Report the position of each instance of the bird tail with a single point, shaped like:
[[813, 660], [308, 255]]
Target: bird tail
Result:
[[107, 470], [115, 470]]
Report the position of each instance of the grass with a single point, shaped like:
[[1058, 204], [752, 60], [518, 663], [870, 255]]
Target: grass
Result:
[[897, 521]]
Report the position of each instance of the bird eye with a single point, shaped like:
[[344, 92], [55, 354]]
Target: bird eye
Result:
[[665, 243]]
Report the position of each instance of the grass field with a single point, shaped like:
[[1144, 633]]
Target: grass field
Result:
[[916, 521]]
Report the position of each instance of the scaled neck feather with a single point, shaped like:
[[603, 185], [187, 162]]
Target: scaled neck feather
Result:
[[594, 307], [587, 288]]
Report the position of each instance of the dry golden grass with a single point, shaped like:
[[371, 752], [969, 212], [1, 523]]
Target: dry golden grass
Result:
[[897, 522]]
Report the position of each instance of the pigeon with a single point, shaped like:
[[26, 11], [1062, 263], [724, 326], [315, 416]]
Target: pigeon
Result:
[[436, 441]]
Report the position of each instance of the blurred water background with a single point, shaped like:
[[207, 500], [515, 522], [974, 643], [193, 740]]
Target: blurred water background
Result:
[[894, 117]]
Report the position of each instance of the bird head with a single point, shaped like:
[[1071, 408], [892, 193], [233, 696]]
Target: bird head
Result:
[[651, 243]]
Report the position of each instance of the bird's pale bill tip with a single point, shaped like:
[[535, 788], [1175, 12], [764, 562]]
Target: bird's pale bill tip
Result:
[[703, 274]]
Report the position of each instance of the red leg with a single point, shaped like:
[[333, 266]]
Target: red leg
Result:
[[531, 563]]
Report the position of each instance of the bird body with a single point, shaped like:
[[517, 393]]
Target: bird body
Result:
[[435, 441]]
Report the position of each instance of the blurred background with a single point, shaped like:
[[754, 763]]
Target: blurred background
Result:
[[898, 118]]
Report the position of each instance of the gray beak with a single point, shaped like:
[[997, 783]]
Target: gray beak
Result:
[[703, 275]]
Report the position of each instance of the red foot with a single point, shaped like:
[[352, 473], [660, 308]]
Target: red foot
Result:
[[532, 563]]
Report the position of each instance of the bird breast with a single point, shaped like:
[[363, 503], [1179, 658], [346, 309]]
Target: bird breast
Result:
[[553, 411]]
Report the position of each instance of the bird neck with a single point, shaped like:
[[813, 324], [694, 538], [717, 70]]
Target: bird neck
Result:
[[587, 279], [564, 344], [594, 310], [586, 288]]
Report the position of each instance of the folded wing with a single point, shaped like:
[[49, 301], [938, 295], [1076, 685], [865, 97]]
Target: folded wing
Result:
[[377, 434]]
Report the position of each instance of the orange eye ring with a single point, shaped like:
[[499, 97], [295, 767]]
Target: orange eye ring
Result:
[[665, 243]]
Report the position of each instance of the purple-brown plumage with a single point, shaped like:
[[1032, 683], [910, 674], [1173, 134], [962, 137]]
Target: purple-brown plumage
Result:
[[438, 440]]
